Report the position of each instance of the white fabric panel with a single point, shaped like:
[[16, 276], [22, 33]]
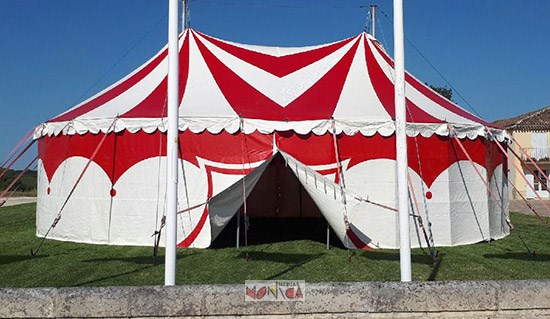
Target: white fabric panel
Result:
[[224, 206], [375, 180], [85, 218], [421, 208], [498, 210], [539, 143], [136, 213], [280, 90], [358, 99], [438, 210], [44, 213], [203, 97], [468, 204]]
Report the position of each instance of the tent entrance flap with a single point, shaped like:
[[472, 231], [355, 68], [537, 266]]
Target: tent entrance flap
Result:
[[278, 209], [337, 204], [225, 205]]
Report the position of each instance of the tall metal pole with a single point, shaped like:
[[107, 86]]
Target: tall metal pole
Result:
[[184, 14], [401, 143], [172, 145], [373, 20]]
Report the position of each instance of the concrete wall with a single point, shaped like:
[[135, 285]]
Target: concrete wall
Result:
[[461, 299]]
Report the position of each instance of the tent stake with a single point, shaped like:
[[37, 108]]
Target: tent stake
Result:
[[238, 237], [328, 236]]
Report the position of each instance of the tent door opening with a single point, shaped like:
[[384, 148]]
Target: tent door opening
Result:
[[278, 209]]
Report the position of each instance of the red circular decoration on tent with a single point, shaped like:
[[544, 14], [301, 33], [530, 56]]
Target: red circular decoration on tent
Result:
[[113, 192], [48, 191], [429, 195]]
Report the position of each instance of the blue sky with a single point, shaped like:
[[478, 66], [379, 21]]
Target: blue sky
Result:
[[54, 53]]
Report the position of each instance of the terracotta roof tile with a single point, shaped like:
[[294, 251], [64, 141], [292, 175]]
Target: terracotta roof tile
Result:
[[538, 120]]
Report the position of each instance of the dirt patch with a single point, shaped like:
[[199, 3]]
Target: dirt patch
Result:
[[18, 201]]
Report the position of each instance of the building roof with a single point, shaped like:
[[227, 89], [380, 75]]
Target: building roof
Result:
[[538, 120]]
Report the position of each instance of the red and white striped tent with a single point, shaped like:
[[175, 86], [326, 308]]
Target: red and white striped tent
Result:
[[326, 110]]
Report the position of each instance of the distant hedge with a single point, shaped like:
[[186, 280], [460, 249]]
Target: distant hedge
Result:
[[26, 183]]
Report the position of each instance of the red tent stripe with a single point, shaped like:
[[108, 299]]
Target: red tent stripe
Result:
[[278, 66], [318, 102], [385, 91], [153, 105], [436, 98], [357, 242], [114, 92]]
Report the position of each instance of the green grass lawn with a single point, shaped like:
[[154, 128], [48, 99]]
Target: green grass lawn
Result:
[[69, 264]]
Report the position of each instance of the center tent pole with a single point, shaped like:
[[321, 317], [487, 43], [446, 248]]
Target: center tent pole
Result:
[[172, 146], [401, 143]]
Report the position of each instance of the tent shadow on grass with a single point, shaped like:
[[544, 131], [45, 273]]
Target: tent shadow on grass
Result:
[[520, 256], [285, 258], [129, 272], [394, 256], [18, 221], [138, 260], [4, 260], [415, 258], [293, 260]]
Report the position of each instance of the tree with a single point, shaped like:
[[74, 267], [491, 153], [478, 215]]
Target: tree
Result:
[[444, 91], [26, 183]]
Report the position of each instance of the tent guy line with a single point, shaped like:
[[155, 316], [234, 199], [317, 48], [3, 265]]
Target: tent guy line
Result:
[[435, 69]]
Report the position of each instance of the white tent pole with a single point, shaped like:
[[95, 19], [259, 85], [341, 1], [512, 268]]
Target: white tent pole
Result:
[[172, 145], [401, 143]]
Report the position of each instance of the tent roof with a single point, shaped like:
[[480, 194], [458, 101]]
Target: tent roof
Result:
[[537, 120], [229, 86]]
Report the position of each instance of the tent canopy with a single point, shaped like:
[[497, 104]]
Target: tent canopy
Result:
[[228, 86]]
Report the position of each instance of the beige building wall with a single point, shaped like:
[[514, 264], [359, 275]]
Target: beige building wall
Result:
[[524, 138]]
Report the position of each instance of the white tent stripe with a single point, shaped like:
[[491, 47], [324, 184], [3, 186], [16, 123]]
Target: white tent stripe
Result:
[[202, 97], [359, 93], [283, 90]]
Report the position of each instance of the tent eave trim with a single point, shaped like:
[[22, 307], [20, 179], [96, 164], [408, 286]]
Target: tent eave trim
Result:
[[349, 127]]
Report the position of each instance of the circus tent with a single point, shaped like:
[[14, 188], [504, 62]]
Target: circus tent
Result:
[[325, 112]]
